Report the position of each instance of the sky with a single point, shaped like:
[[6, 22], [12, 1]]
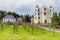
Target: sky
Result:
[[27, 6]]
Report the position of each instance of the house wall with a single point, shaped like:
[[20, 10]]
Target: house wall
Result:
[[7, 19]]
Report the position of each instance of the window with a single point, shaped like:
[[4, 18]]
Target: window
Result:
[[44, 13], [38, 13], [38, 9], [50, 6], [50, 10], [44, 8], [38, 17], [35, 9], [45, 21]]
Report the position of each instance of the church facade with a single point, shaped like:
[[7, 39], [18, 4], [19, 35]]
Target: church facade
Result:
[[42, 15]]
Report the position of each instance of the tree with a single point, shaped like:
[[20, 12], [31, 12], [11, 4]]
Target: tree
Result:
[[55, 19], [9, 13], [21, 16], [2, 14], [59, 14], [59, 19], [14, 14], [27, 18]]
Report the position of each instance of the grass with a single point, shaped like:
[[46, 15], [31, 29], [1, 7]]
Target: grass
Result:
[[7, 33]]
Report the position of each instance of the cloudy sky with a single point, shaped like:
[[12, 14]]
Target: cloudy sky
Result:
[[27, 6]]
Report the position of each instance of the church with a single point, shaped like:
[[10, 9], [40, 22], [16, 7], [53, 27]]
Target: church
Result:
[[42, 15]]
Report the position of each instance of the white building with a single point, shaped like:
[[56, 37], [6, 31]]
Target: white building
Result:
[[20, 20], [42, 15], [9, 18]]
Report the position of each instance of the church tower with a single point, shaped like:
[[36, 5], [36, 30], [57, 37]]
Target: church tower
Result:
[[36, 15], [51, 11]]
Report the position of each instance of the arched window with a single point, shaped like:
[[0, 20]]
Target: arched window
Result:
[[44, 8], [50, 6], [50, 10], [38, 13], [38, 10], [44, 13], [38, 17], [45, 21], [35, 9]]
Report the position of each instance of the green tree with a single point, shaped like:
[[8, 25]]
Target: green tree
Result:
[[9, 13], [14, 14], [59, 14], [2, 14], [27, 18], [59, 19], [55, 19]]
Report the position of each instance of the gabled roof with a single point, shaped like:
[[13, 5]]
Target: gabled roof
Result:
[[37, 6], [50, 6], [44, 6], [9, 16]]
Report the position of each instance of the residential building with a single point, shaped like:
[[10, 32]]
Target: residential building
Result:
[[9, 19]]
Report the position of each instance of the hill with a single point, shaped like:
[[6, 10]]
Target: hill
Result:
[[26, 33]]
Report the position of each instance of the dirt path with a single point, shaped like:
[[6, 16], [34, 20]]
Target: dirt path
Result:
[[51, 29]]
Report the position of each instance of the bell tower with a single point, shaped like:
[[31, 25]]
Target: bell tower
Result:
[[51, 11], [36, 14]]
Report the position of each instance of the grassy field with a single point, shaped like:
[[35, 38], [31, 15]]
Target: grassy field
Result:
[[7, 33]]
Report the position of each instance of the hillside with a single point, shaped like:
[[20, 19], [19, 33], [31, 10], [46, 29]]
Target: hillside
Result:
[[22, 33]]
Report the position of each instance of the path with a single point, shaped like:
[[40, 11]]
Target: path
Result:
[[51, 29]]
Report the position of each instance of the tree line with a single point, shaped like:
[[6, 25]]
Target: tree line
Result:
[[56, 19], [26, 18]]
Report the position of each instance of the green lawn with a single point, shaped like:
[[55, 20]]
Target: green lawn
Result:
[[7, 33]]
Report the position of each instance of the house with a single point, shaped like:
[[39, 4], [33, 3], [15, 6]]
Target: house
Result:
[[42, 15], [19, 20], [8, 19]]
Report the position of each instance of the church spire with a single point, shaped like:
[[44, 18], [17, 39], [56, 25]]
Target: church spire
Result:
[[37, 6], [50, 6]]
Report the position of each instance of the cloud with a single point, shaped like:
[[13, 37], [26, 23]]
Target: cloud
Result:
[[27, 6]]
